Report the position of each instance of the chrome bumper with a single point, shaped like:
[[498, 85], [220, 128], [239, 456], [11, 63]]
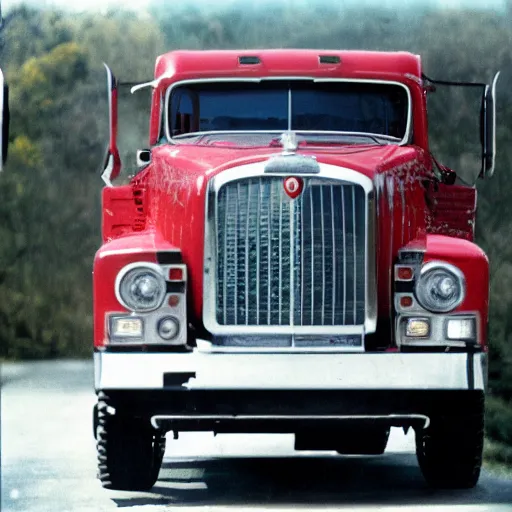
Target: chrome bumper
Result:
[[297, 371]]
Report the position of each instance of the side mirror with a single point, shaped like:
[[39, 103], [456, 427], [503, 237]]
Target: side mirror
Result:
[[112, 166], [488, 128], [4, 120]]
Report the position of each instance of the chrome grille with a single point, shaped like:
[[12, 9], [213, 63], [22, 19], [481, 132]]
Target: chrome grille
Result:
[[284, 262]]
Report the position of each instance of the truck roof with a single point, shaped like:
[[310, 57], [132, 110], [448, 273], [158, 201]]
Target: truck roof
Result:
[[188, 65]]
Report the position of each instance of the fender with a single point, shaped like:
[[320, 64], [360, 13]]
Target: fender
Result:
[[149, 247], [469, 258]]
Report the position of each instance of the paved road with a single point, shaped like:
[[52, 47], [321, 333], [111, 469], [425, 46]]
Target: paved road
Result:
[[48, 463]]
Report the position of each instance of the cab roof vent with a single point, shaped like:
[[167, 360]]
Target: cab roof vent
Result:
[[249, 59], [329, 59]]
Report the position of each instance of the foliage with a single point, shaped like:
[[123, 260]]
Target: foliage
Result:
[[498, 457], [50, 209], [499, 420]]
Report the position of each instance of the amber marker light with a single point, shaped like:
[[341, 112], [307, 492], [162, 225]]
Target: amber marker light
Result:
[[406, 301], [174, 300], [404, 273]]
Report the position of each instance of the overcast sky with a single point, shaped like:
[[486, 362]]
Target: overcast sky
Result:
[[76, 4], [102, 5]]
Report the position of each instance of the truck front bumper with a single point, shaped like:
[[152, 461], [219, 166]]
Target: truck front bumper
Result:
[[284, 371], [285, 392]]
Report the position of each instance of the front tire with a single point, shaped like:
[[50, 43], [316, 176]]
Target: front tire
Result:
[[449, 451], [130, 452]]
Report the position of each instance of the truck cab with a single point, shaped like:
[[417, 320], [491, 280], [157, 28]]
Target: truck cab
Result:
[[289, 257]]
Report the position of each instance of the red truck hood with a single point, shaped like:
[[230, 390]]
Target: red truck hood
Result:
[[199, 160], [176, 183]]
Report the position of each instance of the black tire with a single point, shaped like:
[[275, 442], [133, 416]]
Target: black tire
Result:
[[130, 452], [364, 442], [95, 421], [449, 452]]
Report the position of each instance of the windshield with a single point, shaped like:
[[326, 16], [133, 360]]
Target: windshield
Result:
[[352, 108]]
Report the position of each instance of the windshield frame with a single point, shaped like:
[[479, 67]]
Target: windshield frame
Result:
[[175, 140]]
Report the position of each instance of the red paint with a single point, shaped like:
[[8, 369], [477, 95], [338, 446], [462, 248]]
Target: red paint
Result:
[[473, 262], [402, 67], [109, 260], [123, 211], [452, 210]]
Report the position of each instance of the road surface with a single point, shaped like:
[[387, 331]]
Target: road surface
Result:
[[48, 463]]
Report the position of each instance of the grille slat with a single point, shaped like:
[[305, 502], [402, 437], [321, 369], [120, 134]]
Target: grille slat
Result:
[[269, 259], [280, 254], [290, 262], [246, 284], [322, 215], [312, 249], [354, 237], [235, 259], [333, 232], [258, 252], [343, 234]]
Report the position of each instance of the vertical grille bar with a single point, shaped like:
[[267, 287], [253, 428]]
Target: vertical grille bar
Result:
[[258, 257], [333, 257], [248, 213], [312, 258], [235, 289], [269, 258], [354, 236], [290, 262], [280, 253], [322, 214], [344, 234], [302, 199], [225, 254]]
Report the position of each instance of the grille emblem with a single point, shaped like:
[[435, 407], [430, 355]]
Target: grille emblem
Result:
[[293, 186]]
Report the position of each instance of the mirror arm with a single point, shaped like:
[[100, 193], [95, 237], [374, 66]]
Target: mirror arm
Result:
[[113, 162]]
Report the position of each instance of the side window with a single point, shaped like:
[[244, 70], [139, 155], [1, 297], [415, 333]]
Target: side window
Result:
[[184, 111]]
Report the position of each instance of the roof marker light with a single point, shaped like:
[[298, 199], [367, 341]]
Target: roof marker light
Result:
[[249, 59], [329, 59]]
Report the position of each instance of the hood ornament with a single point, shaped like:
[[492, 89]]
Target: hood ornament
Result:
[[289, 162], [289, 142]]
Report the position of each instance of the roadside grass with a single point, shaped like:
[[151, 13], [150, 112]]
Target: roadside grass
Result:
[[498, 458]]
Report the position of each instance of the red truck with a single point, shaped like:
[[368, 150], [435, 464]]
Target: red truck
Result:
[[289, 257]]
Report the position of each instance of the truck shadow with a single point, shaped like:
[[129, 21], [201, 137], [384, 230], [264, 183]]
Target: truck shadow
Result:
[[392, 479]]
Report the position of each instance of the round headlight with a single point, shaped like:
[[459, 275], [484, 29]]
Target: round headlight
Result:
[[440, 287], [141, 288]]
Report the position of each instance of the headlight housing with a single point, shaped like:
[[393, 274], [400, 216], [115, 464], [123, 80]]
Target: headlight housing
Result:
[[440, 288], [141, 287]]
